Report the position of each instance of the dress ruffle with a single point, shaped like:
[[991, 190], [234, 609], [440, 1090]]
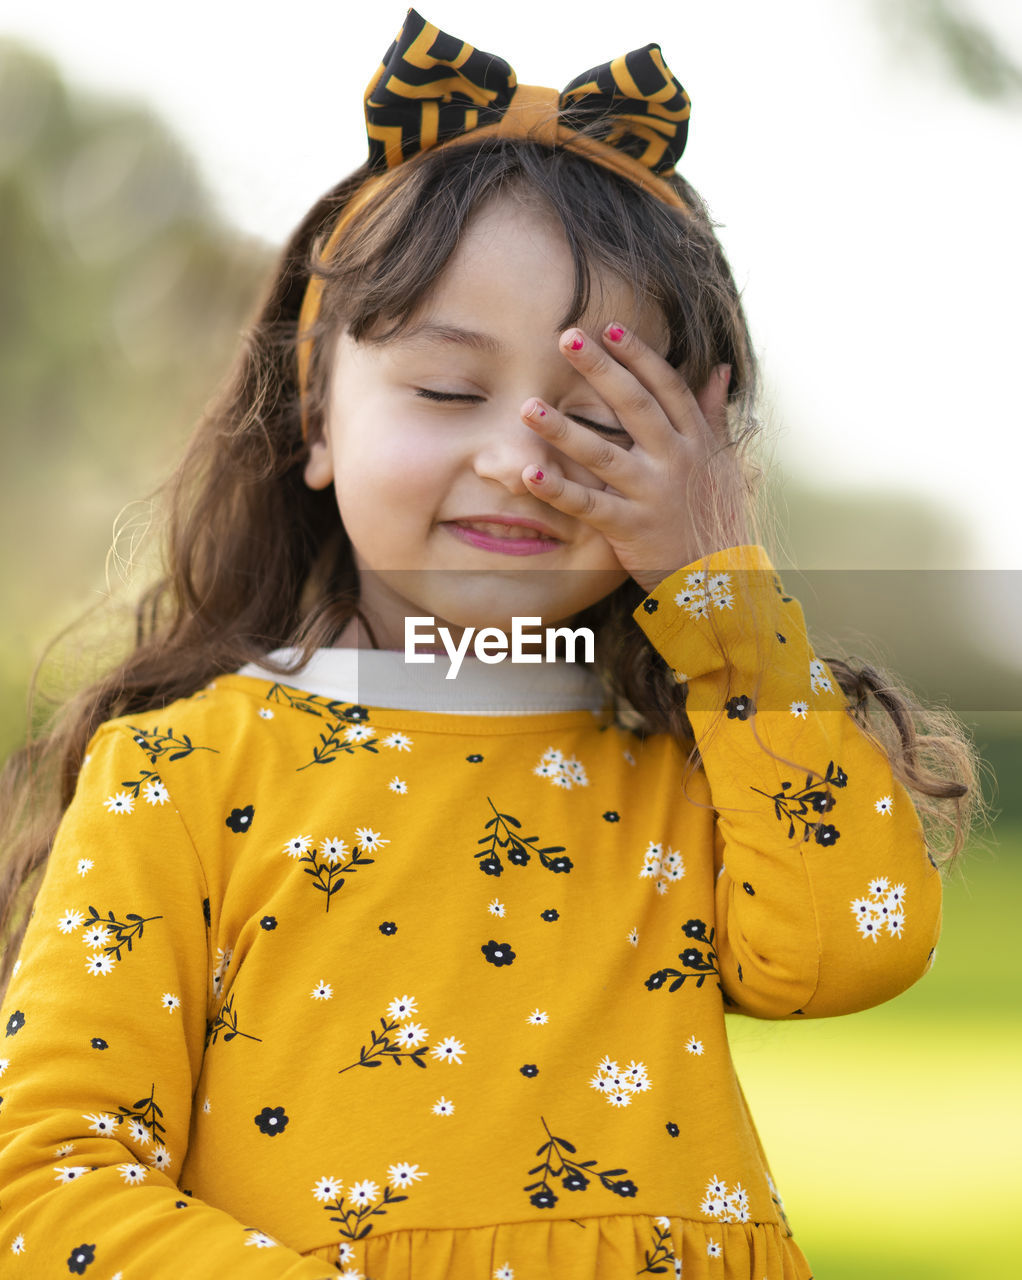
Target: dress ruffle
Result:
[[608, 1248]]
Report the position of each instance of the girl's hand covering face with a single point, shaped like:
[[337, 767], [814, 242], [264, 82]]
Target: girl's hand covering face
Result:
[[654, 499]]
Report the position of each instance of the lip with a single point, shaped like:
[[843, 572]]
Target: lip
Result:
[[506, 546]]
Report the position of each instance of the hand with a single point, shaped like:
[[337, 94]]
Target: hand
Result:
[[652, 502]]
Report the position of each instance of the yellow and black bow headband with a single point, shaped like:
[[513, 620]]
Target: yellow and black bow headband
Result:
[[433, 89]]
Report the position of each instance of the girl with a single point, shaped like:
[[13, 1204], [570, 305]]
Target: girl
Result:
[[338, 964]]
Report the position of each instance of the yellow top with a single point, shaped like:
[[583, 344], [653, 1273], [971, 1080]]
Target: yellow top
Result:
[[315, 980]]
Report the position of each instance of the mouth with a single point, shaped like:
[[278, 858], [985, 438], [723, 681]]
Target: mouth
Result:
[[510, 536]]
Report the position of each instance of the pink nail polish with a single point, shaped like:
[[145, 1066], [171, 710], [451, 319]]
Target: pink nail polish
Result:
[[577, 344], [537, 476], [615, 333]]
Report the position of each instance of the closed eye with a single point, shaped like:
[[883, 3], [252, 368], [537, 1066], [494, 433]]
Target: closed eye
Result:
[[449, 397]]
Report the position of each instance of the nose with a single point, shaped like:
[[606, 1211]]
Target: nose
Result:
[[506, 446]]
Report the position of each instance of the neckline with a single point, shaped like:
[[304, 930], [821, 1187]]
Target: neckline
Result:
[[382, 678]]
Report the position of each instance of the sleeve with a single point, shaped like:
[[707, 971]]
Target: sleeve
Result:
[[105, 1023], [827, 900]]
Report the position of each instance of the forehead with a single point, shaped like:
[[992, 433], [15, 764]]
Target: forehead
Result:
[[514, 255]]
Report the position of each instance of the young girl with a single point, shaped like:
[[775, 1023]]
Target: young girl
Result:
[[341, 964]]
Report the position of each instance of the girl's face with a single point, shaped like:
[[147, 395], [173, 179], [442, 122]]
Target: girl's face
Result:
[[424, 436]]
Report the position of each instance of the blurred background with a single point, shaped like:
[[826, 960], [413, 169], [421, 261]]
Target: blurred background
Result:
[[862, 158]]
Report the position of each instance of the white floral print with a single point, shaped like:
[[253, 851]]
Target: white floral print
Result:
[[170, 1001], [562, 772], [133, 1174], [334, 851], [799, 709], [410, 1035], [443, 1107], [363, 1193], [496, 908], [882, 912], [401, 1008], [818, 678], [404, 1175], [398, 742], [368, 840], [99, 964], [155, 792], [322, 991], [260, 1240], [265, 713], [70, 1172], [97, 935], [398, 786], [537, 1018], [663, 868], [85, 865], [102, 1124], [633, 937], [70, 921], [18, 1244], [298, 845], [725, 1203], [694, 1046], [122, 802], [138, 1132], [885, 806], [327, 1189], [700, 594], [449, 1050], [617, 1085], [159, 1158], [506, 1272], [359, 733]]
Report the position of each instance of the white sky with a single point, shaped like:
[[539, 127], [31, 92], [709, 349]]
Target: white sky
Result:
[[869, 207]]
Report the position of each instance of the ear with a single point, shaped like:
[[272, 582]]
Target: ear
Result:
[[319, 467]]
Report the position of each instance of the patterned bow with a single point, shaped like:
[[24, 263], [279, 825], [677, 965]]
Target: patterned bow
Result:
[[432, 87]]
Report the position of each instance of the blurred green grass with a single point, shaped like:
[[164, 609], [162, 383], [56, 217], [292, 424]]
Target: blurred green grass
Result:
[[894, 1135]]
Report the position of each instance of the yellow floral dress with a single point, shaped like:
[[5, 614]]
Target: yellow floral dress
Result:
[[374, 973]]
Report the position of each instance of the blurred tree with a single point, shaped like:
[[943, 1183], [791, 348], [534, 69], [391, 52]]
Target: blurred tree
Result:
[[123, 294], [951, 34]]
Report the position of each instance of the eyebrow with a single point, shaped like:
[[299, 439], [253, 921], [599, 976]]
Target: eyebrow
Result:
[[451, 334]]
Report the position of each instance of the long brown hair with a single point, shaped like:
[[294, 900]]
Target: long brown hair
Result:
[[255, 560]]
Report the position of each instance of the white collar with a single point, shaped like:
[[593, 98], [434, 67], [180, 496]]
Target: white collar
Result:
[[382, 678]]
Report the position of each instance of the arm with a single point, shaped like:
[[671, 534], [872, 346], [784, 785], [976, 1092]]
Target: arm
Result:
[[100, 1060], [826, 898]]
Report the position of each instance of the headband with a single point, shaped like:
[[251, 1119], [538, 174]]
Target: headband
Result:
[[433, 89]]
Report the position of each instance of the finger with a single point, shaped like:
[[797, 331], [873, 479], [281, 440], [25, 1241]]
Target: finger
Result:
[[637, 407], [603, 457], [592, 506], [658, 378]]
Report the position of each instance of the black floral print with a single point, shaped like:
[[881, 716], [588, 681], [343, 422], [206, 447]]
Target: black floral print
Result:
[[651, 605], [226, 1023], [612, 815], [336, 740], [82, 1256], [530, 1070], [498, 953], [661, 1252], [550, 914], [748, 888], [122, 934], [272, 1121], [157, 744], [146, 1112], [701, 964], [205, 912], [740, 708], [520, 848], [98, 1042], [474, 758], [388, 928], [268, 923], [15, 1022], [672, 1128], [574, 1175], [240, 820], [328, 875], [381, 1046], [813, 797], [350, 1219], [314, 704]]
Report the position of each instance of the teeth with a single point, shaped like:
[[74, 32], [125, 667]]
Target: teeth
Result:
[[502, 530]]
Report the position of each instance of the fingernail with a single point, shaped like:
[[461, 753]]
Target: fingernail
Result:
[[536, 476], [535, 410], [615, 333], [576, 343]]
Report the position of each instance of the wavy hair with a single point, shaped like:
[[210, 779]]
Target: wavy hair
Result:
[[255, 560]]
